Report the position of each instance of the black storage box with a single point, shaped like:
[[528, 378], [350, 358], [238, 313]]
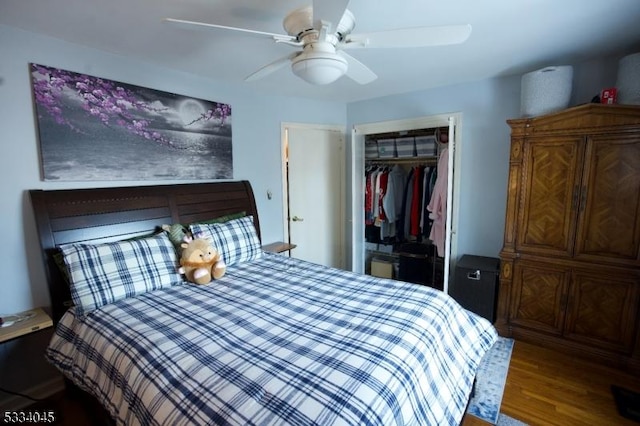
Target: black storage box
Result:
[[475, 285], [416, 263]]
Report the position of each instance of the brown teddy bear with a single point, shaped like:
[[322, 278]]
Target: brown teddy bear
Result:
[[200, 262]]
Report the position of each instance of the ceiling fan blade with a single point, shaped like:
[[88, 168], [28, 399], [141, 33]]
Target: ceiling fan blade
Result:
[[410, 37], [203, 25], [272, 67], [330, 11], [357, 71]]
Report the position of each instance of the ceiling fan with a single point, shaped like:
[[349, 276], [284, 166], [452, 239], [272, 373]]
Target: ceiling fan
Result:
[[323, 31]]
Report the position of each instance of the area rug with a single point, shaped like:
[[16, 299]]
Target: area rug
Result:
[[504, 420], [490, 381]]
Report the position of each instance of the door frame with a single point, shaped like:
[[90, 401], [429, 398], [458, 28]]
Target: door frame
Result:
[[284, 126], [358, 133]]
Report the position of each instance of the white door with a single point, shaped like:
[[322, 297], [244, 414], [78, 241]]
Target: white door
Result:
[[315, 174]]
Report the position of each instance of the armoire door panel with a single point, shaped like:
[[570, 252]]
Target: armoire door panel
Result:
[[539, 296], [513, 186], [609, 220], [548, 206], [603, 310]]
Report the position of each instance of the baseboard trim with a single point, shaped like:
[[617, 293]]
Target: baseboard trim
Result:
[[41, 391]]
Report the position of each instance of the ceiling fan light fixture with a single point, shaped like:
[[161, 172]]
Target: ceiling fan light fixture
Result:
[[323, 59], [320, 68]]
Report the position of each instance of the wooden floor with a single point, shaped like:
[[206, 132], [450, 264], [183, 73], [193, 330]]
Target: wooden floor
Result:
[[548, 388], [543, 388]]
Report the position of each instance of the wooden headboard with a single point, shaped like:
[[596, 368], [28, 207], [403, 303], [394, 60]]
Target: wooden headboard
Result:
[[111, 214]]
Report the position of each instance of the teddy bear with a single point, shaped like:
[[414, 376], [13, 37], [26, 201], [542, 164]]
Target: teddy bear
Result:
[[200, 262]]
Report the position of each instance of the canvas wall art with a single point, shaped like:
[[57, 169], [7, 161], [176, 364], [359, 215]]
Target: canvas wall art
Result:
[[94, 129]]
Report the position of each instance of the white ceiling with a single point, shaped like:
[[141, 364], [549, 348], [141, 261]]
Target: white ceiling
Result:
[[509, 37]]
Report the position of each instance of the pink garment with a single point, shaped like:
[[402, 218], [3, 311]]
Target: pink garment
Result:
[[438, 204], [368, 199]]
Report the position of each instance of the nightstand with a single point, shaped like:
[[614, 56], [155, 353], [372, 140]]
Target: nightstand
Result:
[[278, 247], [37, 320]]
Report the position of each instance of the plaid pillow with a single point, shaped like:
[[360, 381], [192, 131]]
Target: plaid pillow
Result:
[[104, 273], [176, 231], [236, 239]]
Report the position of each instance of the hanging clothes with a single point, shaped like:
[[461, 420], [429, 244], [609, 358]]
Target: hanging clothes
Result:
[[392, 201], [372, 232], [396, 203], [416, 202], [368, 196], [405, 214], [381, 190], [430, 180], [379, 204], [438, 204], [426, 197]]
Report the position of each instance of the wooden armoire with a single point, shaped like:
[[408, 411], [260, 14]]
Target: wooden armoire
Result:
[[570, 265]]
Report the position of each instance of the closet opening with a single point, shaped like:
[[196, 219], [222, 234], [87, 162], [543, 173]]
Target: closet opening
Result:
[[405, 191]]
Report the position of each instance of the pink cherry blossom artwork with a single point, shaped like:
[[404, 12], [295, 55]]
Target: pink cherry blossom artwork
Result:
[[95, 129]]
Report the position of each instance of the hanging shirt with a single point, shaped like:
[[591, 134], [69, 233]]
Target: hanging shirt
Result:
[[428, 190], [399, 179], [416, 201], [368, 198], [438, 204], [408, 200], [424, 219], [392, 201], [381, 190]]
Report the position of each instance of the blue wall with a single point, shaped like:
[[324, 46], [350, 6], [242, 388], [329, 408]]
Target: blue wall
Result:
[[256, 144]]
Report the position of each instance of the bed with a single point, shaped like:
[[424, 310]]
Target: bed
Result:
[[275, 341]]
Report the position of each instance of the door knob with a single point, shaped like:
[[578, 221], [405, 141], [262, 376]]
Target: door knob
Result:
[[297, 219]]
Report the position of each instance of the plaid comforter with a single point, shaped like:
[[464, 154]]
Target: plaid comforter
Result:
[[278, 341]]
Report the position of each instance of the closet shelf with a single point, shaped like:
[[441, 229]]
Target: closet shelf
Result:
[[402, 160]]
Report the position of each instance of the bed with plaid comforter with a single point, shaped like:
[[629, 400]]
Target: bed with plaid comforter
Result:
[[277, 341]]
